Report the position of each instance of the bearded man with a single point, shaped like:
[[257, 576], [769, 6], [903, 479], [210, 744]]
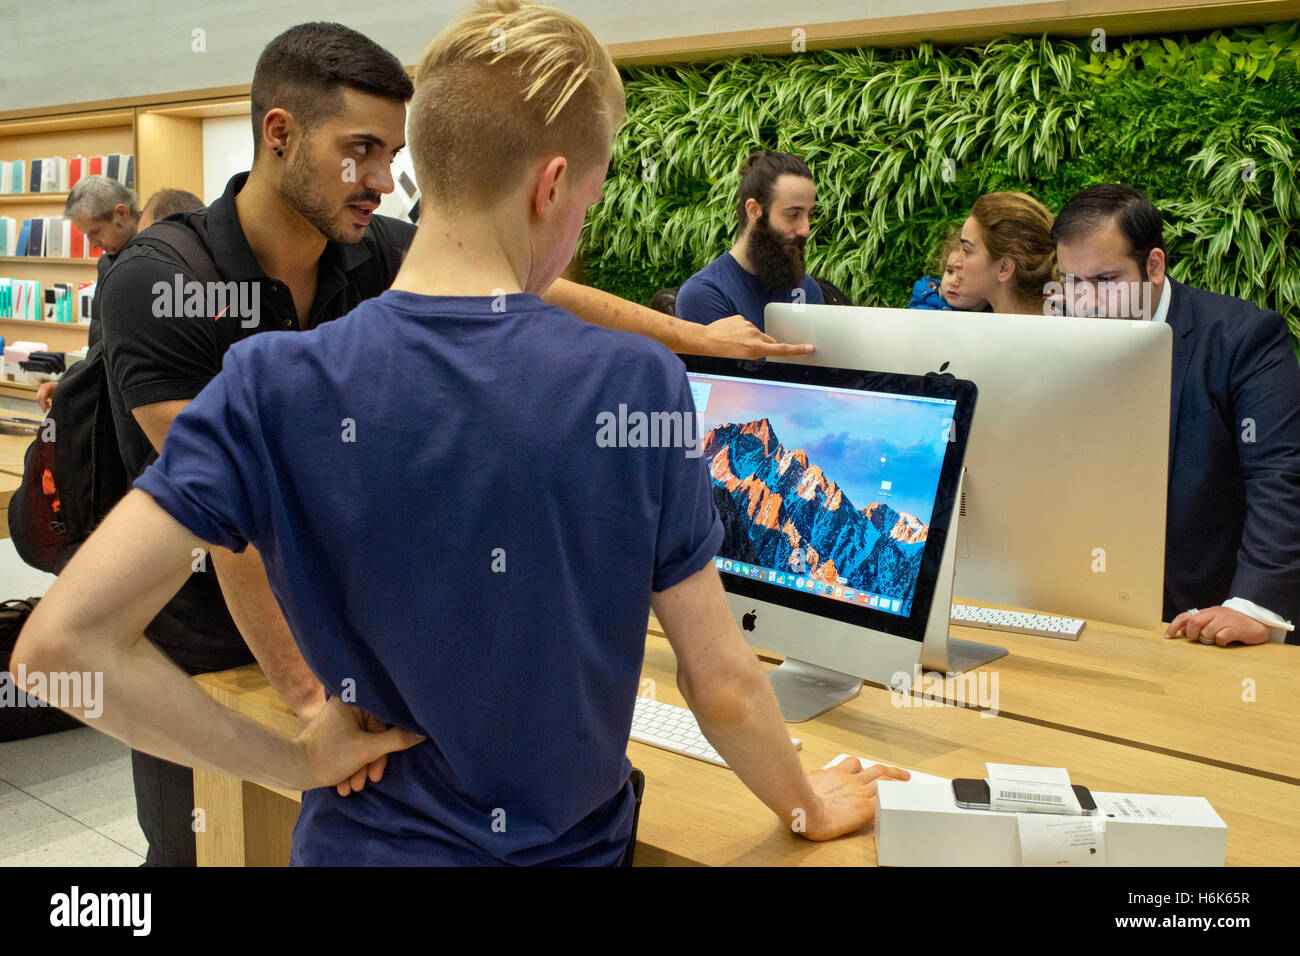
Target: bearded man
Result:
[[774, 208]]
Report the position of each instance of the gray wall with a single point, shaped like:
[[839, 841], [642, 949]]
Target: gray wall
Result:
[[69, 51]]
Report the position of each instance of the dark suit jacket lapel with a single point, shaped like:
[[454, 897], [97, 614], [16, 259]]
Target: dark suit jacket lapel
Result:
[[1180, 321]]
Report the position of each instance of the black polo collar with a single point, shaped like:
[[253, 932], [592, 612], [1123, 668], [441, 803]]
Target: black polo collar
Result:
[[235, 259]]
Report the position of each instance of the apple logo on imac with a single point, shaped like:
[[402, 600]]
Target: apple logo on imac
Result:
[[748, 621]]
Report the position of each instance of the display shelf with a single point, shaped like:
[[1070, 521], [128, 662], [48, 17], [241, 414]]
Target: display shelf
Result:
[[46, 260]]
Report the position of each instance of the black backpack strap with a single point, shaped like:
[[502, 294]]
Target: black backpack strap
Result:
[[184, 243]]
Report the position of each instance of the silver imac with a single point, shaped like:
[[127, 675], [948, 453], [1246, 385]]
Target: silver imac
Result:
[[1067, 473], [837, 491]]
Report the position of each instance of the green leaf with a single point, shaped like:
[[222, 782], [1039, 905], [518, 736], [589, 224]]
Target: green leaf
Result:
[[875, 124]]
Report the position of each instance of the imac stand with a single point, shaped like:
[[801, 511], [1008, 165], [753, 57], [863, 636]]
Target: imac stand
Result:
[[939, 651], [806, 690]]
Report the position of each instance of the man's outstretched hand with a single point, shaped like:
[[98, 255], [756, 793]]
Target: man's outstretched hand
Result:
[[738, 338], [846, 796]]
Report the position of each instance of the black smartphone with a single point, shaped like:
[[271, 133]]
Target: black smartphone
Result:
[[19, 426], [974, 795]]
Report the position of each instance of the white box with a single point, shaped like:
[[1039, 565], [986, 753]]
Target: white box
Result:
[[14, 373], [919, 824]]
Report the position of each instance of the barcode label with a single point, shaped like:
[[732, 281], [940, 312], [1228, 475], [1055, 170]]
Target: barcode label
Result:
[[1129, 808], [1027, 797]]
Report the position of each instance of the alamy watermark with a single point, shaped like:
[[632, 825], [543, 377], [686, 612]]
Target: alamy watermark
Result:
[[127, 910], [208, 300], [1109, 300], [83, 690], [637, 429], [927, 689]]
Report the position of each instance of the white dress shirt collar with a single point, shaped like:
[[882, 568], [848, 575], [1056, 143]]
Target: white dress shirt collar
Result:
[[1162, 308]]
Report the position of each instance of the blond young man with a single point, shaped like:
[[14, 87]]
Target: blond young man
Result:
[[452, 550], [299, 238]]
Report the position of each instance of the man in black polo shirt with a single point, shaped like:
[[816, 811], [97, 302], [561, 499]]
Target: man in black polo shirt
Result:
[[299, 239]]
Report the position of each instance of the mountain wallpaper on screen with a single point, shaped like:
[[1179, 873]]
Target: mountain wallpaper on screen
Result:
[[780, 511]]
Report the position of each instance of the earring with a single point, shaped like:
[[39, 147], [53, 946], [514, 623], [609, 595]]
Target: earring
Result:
[[279, 152]]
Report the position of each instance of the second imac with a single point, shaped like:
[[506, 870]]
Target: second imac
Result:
[[1068, 467]]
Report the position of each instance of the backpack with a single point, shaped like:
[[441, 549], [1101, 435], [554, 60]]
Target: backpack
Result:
[[73, 473], [832, 294], [22, 715]]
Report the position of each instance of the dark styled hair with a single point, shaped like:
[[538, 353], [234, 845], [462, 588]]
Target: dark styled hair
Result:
[[1138, 219], [306, 68], [166, 202], [758, 176]]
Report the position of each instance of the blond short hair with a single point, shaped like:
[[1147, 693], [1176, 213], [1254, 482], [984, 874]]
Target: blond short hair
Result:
[[502, 86]]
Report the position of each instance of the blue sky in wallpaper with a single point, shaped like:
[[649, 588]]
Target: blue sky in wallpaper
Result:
[[858, 439]]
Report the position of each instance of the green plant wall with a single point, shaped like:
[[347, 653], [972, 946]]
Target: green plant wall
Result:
[[901, 142]]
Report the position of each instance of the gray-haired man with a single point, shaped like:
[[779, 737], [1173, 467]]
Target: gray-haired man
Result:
[[106, 211]]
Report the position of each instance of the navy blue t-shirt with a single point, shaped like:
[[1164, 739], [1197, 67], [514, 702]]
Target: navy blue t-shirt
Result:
[[456, 552], [724, 288]]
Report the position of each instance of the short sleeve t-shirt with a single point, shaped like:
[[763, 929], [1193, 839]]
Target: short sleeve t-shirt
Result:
[[454, 544], [724, 288]]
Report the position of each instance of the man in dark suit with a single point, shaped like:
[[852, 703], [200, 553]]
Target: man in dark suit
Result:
[[1232, 542]]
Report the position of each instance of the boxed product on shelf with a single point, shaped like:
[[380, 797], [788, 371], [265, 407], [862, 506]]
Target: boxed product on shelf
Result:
[[16, 352], [13, 177], [9, 227], [20, 299]]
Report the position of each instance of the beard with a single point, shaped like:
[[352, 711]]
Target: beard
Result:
[[778, 262], [300, 190]]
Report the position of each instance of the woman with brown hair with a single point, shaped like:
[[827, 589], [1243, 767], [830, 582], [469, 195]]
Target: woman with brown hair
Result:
[[1009, 257]]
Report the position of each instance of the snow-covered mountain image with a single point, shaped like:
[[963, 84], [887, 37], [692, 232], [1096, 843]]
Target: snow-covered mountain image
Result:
[[780, 510]]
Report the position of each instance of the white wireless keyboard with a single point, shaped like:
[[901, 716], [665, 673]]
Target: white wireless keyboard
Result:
[[1018, 622], [674, 728]]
